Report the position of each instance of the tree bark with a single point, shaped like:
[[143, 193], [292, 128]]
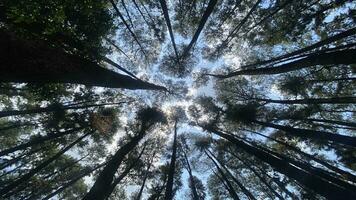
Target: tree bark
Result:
[[169, 187], [36, 62], [311, 134], [346, 57], [201, 25], [322, 187], [102, 184]]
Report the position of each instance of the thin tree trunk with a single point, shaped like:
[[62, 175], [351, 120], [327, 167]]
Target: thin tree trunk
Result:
[[322, 187], [38, 140], [52, 108], [11, 186], [128, 27], [102, 184], [333, 100], [36, 62], [347, 56], [191, 177], [311, 134], [169, 187], [201, 25], [138, 197], [168, 22], [263, 180], [230, 188], [127, 13], [241, 186], [342, 123]]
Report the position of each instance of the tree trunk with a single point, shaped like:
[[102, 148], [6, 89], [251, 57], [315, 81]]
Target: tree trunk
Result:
[[263, 180], [334, 100], [201, 25], [311, 134], [138, 197], [346, 57], [168, 22], [191, 177], [342, 123], [39, 140], [169, 187], [11, 186], [324, 188], [102, 184], [35, 62], [241, 186], [224, 178]]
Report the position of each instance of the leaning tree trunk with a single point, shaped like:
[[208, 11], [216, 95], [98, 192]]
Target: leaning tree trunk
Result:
[[241, 186], [224, 178], [7, 189], [36, 62], [204, 19], [169, 187], [345, 57], [101, 187], [333, 100], [39, 140], [311, 134], [309, 180], [191, 177]]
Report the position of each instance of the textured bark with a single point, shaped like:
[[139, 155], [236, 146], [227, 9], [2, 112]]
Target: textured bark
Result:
[[36, 62]]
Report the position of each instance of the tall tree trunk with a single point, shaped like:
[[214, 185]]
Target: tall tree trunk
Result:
[[128, 27], [39, 140], [259, 176], [124, 173], [201, 25], [73, 181], [102, 184], [341, 172], [346, 57], [138, 197], [168, 22], [36, 62], [169, 187], [333, 100], [52, 108], [312, 134], [224, 178], [11, 186], [241, 186], [320, 186], [191, 177], [342, 123]]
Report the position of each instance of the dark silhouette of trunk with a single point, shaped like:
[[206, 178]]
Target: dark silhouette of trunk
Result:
[[12, 161], [168, 22], [73, 181], [169, 187], [342, 123], [102, 184], [260, 177], [347, 56], [333, 100], [241, 186], [128, 27], [341, 172], [118, 48], [330, 80], [36, 62], [15, 125], [11, 186], [229, 14], [53, 108], [124, 173], [201, 25], [127, 13], [233, 33], [38, 140], [138, 197], [224, 178], [312, 134], [191, 177], [309, 180], [109, 61]]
